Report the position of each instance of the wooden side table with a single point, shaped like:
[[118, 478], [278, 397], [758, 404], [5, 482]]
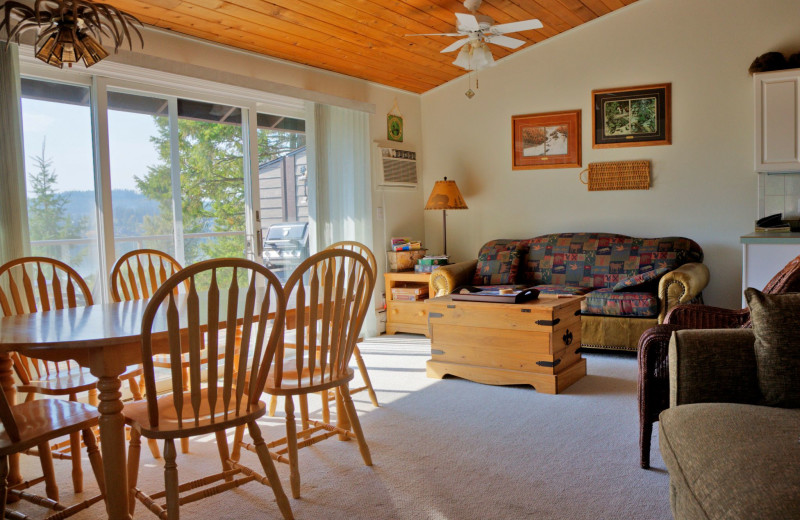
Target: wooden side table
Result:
[[403, 316]]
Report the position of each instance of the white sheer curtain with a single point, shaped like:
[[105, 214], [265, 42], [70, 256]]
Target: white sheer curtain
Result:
[[341, 180], [14, 239]]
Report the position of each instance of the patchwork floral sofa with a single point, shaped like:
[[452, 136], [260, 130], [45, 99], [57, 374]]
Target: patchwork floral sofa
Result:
[[629, 283]]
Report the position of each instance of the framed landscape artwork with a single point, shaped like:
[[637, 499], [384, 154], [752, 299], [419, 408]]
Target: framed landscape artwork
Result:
[[549, 140], [632, 116]]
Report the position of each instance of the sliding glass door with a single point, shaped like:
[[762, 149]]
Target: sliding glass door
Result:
[[174, 176]]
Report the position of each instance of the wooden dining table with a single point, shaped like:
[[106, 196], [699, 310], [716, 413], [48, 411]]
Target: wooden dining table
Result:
[[106, 339]]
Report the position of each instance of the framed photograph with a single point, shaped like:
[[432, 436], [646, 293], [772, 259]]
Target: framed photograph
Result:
[[549, 140], [632, 116]]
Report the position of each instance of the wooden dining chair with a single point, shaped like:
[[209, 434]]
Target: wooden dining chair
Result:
[[230, 395], [137, 275], [334, 287], [356, 247], [34, 424], [33, 284]]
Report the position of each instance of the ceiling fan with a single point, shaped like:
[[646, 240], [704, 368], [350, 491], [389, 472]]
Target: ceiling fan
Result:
[[478, 30]]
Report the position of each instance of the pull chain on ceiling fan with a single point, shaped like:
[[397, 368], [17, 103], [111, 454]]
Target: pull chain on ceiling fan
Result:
[[478, 30]]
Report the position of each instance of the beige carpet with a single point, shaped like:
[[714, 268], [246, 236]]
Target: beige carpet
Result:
[[450, 450]]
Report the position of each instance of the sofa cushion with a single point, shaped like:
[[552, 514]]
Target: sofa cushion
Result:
[[776, 322], [732, 460], [642, 282], [606, 302], [603, 259], [499, 262], [562, 290]]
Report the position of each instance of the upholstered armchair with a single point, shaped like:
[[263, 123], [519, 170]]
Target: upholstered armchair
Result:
[[654, 345]]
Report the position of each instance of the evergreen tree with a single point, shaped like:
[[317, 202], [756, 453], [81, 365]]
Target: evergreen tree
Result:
[[212, 182], [47, 215]]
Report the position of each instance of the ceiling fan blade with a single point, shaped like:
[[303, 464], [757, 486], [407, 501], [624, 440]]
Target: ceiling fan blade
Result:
[[524, 25], [436, 34], [467, 22], [504, 41], [455, 45]]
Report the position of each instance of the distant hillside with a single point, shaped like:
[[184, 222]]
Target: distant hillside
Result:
[[130, 208]]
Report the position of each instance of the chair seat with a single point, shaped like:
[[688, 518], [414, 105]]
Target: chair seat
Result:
[[68, 383], [45, 419], [168, 426]]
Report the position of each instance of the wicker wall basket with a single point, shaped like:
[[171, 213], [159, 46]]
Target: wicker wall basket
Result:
[[618, 175]]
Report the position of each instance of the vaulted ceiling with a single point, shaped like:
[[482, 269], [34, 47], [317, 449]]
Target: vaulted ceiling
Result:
[[365, 39]]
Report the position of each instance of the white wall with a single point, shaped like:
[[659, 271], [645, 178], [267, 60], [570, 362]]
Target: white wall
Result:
[[703, 185]]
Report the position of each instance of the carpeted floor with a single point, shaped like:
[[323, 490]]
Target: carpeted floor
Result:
[[450, 450]]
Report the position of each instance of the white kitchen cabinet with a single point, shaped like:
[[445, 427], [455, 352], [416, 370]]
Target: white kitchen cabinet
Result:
[[777, 107]]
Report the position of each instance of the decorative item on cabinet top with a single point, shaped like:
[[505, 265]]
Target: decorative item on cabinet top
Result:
[[617, 175]]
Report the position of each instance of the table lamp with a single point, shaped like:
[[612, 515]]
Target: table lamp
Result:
[[444, 196]]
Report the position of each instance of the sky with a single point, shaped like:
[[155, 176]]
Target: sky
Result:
[[67, 131]]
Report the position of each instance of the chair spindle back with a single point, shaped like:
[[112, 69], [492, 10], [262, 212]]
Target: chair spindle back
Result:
[[335, 287], [240, 377], [357, 247], [139, 273], [34, 284]]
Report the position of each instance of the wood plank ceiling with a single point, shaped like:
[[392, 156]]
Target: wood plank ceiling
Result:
[[365, 39]]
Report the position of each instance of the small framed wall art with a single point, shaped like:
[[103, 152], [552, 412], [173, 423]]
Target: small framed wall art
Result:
[[632, 116], [394, 128], [548, 140]]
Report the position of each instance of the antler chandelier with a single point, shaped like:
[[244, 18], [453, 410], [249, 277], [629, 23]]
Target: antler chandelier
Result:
[[68, 30]]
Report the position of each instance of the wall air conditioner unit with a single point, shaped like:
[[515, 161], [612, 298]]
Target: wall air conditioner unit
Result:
[[396, 168]]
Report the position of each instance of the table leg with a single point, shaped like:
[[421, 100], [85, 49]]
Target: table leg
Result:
[[10, 390], [112, 444]]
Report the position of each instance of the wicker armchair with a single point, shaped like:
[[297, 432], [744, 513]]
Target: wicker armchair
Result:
[[654, 344]]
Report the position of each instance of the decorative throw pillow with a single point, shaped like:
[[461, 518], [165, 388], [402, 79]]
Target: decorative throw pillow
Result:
[[776, 322], [636, 282], [499, 267]]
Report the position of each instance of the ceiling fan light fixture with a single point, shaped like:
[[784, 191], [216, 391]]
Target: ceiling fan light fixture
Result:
[[463, 58], [482, 57]]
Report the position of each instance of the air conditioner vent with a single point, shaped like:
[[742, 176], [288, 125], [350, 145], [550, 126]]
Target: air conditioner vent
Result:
[[397, 167]]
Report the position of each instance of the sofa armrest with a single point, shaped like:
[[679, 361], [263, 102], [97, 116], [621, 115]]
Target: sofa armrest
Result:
[[682, 285], [447, 277], [713, 366]]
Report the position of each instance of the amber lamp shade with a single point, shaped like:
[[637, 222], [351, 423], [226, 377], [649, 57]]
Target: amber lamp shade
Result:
[[444, 196]]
